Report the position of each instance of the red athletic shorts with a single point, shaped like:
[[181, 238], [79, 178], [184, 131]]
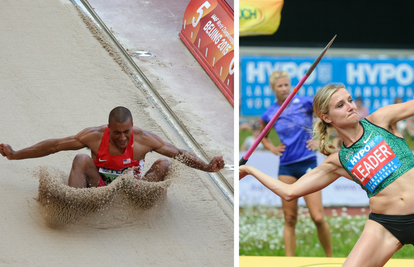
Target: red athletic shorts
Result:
[[101, 183]]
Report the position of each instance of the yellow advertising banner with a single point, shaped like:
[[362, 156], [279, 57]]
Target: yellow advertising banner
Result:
[[259, 17], [271, 261]]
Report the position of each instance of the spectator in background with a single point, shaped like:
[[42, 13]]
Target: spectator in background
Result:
[[362, 110], [409, 128], [398, 100], [297, 157], [245, 126], [401, 125], [248, 142]]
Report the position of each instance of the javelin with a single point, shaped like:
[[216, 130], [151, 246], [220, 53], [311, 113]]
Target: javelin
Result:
[[246, 157]]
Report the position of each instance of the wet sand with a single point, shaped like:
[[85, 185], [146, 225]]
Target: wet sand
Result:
[[56, 79]]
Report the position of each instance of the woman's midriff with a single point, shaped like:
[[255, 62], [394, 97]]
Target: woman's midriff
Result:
[[397, 198]]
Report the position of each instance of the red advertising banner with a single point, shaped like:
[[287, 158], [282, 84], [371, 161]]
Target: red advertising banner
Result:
[[208, 32]]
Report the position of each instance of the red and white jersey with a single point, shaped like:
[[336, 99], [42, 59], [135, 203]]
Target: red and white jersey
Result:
[[113, 166]]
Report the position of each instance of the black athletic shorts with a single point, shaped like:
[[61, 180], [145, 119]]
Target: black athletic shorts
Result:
[[297, 169], [401, 226]]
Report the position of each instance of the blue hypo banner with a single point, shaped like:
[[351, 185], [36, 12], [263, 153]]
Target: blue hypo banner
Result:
[[377, 81]]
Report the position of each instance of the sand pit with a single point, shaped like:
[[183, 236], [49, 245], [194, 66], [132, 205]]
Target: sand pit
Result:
[[56, 79], [63, 205]]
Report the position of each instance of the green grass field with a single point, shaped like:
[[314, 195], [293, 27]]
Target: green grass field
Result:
[[272, 135], [261, 234]]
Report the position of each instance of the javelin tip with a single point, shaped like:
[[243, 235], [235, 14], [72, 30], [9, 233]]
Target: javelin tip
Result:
[[332, 40], [326, 48], [313, 66]]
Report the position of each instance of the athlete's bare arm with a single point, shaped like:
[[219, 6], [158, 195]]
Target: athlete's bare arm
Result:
[[315, 180], [155, 143], [50, 146], [388, 116]]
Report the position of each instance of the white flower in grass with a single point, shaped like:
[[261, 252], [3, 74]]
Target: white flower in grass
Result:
[[338, 235]]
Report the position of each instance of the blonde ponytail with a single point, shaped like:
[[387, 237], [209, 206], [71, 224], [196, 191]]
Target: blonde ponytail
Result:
[[320, 132]]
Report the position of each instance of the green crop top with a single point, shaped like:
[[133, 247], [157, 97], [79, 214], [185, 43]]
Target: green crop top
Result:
[[377, 159]]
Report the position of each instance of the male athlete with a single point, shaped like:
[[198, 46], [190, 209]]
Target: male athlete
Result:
[[114, 148]]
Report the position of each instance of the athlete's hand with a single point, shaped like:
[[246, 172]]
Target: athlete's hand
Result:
[[6, 151], [136, 171], [216, 164], [277, 150], [312, 144], [243, 171]]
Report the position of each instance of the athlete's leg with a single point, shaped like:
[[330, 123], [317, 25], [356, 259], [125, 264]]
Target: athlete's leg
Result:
[[374, 247], [158, 171], [314, 203], [290, 211], [83, 173]]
